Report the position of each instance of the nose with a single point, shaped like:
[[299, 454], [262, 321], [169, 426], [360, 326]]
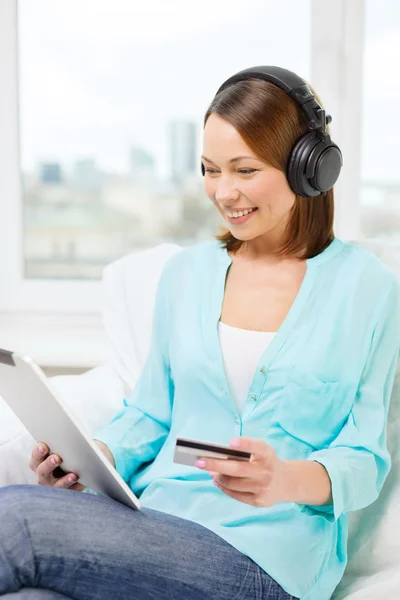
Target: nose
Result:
[[225, 192]]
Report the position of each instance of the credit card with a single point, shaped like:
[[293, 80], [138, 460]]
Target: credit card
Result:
[[188, 451]]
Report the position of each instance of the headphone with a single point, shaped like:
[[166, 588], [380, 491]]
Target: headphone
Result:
[[315, 161]]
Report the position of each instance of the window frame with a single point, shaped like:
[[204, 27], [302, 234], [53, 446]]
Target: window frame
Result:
[[337, 52], [20, 294]]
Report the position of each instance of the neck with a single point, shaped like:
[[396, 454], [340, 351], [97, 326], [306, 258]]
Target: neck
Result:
[[265, 248]]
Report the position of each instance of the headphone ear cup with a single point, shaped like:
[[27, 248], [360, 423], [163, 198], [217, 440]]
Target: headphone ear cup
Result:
[[327, 164], [297, 165]]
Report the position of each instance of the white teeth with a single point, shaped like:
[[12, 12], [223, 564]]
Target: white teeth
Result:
[[243, 213]]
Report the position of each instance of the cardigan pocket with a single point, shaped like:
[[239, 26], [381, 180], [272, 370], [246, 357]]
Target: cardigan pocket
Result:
[[310, 412]]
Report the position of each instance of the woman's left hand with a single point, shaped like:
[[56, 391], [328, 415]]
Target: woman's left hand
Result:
[[261, 481]]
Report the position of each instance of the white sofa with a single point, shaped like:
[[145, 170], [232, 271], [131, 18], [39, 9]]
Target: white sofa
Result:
[[373, 572]]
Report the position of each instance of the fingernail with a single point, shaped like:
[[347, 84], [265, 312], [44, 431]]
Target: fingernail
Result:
[[200, 463], [71, 478], [53, 460], [235, 443], [41, 449]]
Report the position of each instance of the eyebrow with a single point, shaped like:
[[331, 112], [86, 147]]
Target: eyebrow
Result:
[[237, 158]]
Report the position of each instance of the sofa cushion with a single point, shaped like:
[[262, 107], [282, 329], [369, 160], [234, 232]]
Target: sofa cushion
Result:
[[129, 289]]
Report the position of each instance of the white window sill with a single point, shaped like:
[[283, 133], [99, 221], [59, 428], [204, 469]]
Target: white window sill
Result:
[[76, 341]]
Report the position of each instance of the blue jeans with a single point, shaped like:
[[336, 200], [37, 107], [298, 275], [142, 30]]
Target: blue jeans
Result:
[[58, 544]]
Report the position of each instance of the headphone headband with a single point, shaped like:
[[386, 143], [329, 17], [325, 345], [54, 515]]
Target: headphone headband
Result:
[[315, 161], [293, 85]]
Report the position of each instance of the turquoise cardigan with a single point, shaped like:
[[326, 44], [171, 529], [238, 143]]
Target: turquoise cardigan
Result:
[[320, 392]]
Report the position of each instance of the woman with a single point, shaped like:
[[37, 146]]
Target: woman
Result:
[[277, 338]]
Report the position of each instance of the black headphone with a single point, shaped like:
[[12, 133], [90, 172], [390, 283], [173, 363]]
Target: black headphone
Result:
[[315, 161]]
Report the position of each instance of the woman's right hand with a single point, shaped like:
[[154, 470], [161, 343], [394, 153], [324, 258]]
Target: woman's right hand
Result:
[[48, 471]]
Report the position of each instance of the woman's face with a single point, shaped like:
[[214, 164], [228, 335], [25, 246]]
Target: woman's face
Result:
[[236, 184]]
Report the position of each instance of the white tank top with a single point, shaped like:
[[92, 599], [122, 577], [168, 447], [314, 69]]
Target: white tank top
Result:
[[241, 350]]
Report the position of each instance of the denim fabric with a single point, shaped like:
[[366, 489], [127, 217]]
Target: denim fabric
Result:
[[88, 547], [34, 594]]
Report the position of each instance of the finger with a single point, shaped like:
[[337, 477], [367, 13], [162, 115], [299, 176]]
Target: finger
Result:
[[45, 470], [77, 487], [258, 448], [37, 456], [238, 484], [245, 497], [235, 468], [67, 481]]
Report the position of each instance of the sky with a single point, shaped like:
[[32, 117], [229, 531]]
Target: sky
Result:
[[100, 76], [97, 76]]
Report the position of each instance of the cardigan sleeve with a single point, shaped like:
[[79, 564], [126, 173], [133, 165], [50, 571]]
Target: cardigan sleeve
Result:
[[357, 461]]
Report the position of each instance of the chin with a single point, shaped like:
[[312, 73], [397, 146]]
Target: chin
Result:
[[244, 236]]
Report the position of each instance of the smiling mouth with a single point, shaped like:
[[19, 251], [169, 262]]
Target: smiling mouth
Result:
[[235, 214]]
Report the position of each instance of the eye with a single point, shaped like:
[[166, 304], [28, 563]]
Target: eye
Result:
[[247, 171], [208, 170]]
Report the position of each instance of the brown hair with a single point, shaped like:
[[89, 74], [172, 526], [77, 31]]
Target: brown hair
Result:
[[270, 123]]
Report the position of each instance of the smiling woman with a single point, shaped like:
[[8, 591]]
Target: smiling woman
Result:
[[302, 383], [313, 322], [249, 134]]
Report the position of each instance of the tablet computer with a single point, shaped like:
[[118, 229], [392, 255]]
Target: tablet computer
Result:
[[33, 399]]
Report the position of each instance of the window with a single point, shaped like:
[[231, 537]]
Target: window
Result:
[[101, 110], [112, 94], [380, 190]]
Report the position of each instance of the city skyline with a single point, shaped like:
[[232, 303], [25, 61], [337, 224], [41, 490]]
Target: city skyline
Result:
[[183, 160]]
